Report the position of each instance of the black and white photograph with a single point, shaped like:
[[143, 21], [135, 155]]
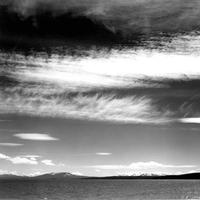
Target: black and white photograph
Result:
[[99, 99]]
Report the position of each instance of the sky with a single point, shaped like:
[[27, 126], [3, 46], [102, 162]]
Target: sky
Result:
[[127, 16], [102, 111], [129, 114]]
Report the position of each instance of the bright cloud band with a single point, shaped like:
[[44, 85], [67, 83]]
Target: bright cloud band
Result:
[[71, 88], [141, 165], [35, 136]]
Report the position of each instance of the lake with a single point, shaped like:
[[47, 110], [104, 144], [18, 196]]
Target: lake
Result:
[[99, 189]]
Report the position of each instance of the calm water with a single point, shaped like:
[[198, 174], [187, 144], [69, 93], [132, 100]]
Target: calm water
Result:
[[100, 189]]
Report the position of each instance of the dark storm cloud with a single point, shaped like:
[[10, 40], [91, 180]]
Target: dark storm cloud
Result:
[[126, 16]]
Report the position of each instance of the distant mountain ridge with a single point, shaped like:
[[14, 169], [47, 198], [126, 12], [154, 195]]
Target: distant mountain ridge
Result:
[[52, 175], [9, 176], [66, 175], [144, 174], [155, 176], [59, 175]]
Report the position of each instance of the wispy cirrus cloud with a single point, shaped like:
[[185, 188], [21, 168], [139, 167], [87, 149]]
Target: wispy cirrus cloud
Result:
[[10, 144], [74, 88], [35, 136], [108, 107], [141, 165], [18, 160]]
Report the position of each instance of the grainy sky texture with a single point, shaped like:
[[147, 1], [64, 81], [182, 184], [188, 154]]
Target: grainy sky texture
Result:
[[98, 110], [127, 16]]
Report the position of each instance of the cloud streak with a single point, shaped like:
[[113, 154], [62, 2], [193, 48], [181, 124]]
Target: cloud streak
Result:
[[10, 144], [104, 154], [30, 156], [194, 120], [35, 136]]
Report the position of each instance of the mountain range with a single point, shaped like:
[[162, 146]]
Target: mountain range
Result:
[[61, 175], [66, 175]]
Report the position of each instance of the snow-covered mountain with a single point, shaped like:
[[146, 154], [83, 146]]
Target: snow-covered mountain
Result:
[[53, 175], [66, 175], [144, 174], [59, 175]]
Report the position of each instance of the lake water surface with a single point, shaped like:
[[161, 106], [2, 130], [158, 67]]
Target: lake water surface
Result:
[[99, 189]]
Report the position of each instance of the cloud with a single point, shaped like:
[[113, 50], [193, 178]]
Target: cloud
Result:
[[11, 144], [8, 172], [103, 154], [48, 162], [77, 173], [61, 165], [125, 16], [161, 173], [35, 174], [106, 107], [46, 92], [18, 160], [194, 120], [141, 165], [146, 165], [35, 136], [4, 172], [193, 171], [30, 156]]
